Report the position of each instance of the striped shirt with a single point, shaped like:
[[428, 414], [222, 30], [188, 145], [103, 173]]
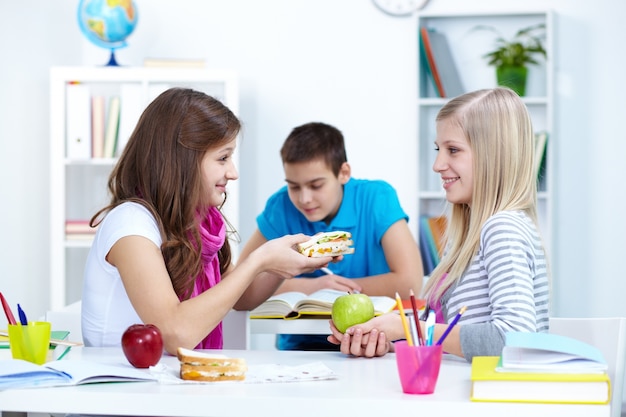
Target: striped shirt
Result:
[[505, 288]]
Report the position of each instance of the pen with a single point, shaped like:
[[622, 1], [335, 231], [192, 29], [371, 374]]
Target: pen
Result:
[[326, 271], [22, 315], [420, 336], [430, 327], [407, 333], [7, 310], [451, 325]]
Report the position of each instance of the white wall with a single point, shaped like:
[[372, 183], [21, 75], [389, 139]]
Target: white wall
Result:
[[342, 62]]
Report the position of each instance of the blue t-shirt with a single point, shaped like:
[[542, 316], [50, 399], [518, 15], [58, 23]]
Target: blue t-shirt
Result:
[[368, 209]]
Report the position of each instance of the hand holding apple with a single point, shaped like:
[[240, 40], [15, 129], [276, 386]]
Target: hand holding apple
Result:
[[142, 345], [351, 309]]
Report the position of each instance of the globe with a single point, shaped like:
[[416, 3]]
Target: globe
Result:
[[107, 23]]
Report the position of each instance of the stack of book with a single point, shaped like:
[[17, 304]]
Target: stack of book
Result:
[[544, 368], [79, 230]]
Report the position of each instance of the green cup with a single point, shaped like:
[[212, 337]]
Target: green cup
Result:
[[30, 342]]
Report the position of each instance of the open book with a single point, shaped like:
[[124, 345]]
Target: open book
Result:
[[17, 373], [290, 305]]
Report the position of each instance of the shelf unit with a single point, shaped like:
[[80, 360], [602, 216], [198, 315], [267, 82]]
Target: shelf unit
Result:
[[468, 45], [78, 187]]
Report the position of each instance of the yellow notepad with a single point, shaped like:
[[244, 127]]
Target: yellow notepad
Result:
[[576, 388]]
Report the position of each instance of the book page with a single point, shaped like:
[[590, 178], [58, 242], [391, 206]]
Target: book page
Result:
[[86, 372], [320, 301], [278, 305]]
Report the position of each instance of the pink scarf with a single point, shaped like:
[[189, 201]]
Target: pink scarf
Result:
[[213, 235]]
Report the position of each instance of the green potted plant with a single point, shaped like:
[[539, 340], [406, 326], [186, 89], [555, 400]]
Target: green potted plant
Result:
[[512, 56]]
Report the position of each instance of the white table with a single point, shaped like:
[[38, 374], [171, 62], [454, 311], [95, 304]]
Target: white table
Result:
[[365, 387], [294, 326]]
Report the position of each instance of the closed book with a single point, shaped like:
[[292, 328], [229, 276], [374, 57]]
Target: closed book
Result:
[[77, 121], [97, 126], [577, 388], [110, 134], [445, 65], [132, 104], [549, 352], [541, 140], [430, 64]]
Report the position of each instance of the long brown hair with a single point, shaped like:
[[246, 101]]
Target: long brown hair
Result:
[[160, 168]]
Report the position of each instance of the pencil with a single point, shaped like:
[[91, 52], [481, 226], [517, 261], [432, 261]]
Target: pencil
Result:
[[405, 325], [420, 336], [7, 310], [451, 325]]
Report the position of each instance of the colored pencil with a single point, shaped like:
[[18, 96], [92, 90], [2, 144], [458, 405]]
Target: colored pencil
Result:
[[7, 310], [451, 325], [420, 336], [22, 315], [405, 325]]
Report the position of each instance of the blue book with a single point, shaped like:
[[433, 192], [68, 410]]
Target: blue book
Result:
[[547, 352], [427, 259]]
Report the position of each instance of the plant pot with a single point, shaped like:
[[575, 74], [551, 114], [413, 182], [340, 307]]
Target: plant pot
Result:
[[512, 77]]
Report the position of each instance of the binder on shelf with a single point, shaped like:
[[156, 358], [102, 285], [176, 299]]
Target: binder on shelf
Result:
[[97, 126], [110, 136], [132, 104], [441, 63], [78, 121]]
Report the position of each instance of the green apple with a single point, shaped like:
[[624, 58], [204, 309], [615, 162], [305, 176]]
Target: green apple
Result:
[[351, 309]]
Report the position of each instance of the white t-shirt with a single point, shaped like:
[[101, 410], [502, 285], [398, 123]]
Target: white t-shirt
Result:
[[106, 309]]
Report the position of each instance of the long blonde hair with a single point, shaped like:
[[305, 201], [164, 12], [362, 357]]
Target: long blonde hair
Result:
[[499, 131]]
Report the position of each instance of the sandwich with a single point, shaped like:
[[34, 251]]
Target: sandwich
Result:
[[200, 366], [327, 244]]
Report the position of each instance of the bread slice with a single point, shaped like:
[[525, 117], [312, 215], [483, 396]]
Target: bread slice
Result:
[[200, 366], [327, 244]]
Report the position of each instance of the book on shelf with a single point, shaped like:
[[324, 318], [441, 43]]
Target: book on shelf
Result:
[[132, 104], [97, 126], [429, 61], [426, 56], [293, 304], [442, 63], [489, 384], [541, 141], [79, 227], [424, 246], [77, 121], [548, 352], [431, 240], [17, 373], [437, 226], [112, 126]]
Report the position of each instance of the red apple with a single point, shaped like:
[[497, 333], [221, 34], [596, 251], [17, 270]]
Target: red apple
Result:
[[142, 345]]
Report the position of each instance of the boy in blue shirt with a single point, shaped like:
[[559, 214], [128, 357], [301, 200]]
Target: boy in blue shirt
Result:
[[321, 196]]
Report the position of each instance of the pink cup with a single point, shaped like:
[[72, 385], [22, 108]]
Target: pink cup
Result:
[[418, 367]]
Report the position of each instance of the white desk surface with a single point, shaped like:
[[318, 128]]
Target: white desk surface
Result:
[[365, 387], [293, 326]]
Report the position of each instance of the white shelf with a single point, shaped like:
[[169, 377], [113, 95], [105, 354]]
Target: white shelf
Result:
[[468, 46], [78, 187]]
